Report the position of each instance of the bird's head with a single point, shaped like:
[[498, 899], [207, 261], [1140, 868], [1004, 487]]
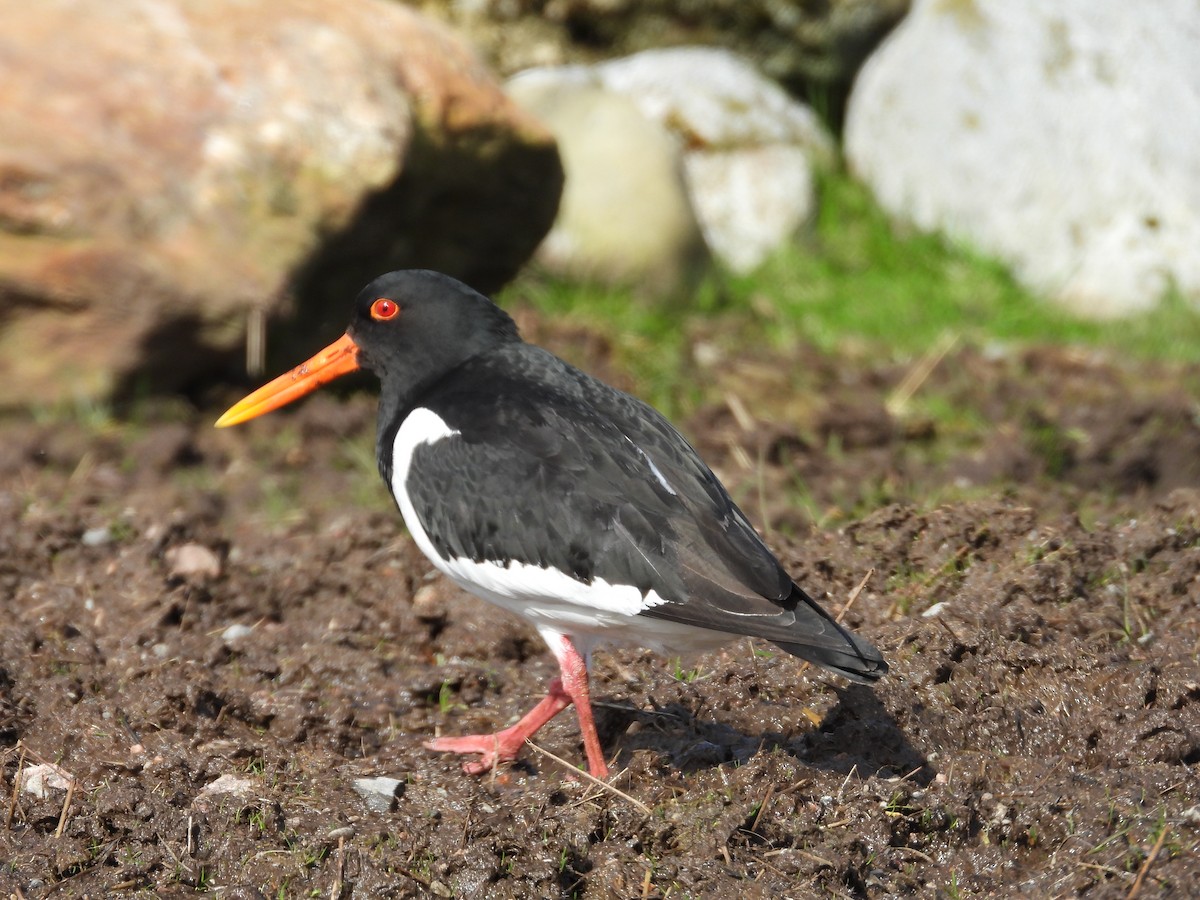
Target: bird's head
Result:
[[408, 327]]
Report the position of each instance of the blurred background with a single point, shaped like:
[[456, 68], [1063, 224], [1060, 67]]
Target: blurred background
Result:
[[189, 189]]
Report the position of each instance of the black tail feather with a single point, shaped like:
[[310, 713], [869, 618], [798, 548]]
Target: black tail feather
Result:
[[846, 654]]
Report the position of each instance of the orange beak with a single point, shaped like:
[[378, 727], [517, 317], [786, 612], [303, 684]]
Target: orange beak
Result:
[[338, 359]]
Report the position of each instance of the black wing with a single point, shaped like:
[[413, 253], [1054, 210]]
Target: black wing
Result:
[[553, 468]]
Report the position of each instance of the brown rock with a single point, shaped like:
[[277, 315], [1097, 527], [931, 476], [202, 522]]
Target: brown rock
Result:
[[169, 167]]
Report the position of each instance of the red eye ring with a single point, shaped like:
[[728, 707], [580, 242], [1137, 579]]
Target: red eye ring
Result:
[[384, 309]]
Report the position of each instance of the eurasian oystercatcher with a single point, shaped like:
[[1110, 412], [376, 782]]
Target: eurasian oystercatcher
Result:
[[550, 494]]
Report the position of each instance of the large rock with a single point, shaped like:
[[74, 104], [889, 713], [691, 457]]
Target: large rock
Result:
[[625, 216], [747, 147], [1060, 137], [168, 166]]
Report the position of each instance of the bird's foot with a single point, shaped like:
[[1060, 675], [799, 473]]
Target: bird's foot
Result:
[[503, 746], [493, 749]]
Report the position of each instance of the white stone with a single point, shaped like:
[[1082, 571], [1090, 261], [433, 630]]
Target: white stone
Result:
[[41, 779], [193, 561], [750, 201], [235, 633], [625, 216], [715, 98], [747, 146], [1058, 137], [234, 785], [96, 537]]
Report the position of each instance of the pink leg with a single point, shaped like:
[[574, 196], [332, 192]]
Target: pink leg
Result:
[[503, 746], [575, 686]]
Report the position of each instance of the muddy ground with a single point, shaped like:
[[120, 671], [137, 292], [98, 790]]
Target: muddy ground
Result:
[[215, 634]]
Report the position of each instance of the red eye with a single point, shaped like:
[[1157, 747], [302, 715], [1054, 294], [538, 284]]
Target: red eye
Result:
[[384, 309]]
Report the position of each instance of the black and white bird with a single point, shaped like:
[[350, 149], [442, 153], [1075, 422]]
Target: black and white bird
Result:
[[542, 490]]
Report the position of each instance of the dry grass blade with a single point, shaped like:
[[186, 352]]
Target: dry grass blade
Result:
[[603, 785], [12, 803], [741, 415], [897, 402], [820, 860], [762, 808], [1141, 875], [854, 596], [62, 817], [335, 892]]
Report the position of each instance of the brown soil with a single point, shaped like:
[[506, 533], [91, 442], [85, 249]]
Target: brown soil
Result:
[[1036, 590]]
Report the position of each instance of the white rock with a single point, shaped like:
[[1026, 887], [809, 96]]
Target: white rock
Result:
[[750, 146], [750, 201], [715, 98], [235, 633], [379, 792], [41, 779], [193, 561], [96, 537], [1059, 137], [625, 216], [747, 146], [236, 785]]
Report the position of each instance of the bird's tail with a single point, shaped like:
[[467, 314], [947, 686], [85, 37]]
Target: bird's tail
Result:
[[826, 643]]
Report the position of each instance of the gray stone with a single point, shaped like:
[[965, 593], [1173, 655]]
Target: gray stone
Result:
[[380, 792]]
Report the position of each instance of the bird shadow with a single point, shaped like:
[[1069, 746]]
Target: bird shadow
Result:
[[858, 733]]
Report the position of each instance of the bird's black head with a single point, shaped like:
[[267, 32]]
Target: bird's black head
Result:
[[410, 328], [413, 326]]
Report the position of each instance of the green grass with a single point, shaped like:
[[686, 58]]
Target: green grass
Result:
[[856, 283]]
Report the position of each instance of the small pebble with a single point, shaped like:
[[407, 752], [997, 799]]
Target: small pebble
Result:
[[380, 792], [236, 633], [193, 562], [96, 537], [228, 784]]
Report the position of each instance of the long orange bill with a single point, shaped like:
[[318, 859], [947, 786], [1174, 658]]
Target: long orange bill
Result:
[[336, 360]]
